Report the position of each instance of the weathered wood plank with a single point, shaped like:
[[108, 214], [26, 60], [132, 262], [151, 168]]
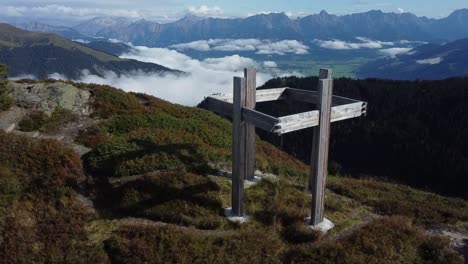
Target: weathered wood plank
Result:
[[264, 95], [238, 148], [260, 120], [250, 76], [219, 106], [343, 112], [267, 95], [291, 123], [319, 160], [304, 120], [287, 93], [300, 95], [299, 117]]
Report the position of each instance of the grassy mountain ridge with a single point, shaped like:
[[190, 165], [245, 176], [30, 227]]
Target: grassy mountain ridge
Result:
[[41, 54], [14, 37], [163, 157]]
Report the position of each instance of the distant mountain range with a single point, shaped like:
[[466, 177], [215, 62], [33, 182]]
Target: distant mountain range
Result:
[[65, 32], [427, 62], [42, 54], [373, 24]]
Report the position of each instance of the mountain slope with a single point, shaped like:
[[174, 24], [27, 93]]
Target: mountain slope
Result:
[[151, 194], [93, 26], [41, 54], [116, 49], [427, 62]]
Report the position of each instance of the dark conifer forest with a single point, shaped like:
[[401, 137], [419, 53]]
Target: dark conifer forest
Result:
[[415, 132]]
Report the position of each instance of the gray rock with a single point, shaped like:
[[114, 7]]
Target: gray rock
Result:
[[47, 96], [9, 119]]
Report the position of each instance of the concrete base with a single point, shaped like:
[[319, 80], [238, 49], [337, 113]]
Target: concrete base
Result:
[[323, 227], [235, 218]]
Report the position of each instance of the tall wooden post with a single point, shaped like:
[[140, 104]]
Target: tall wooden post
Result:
[[250, 76], [243, 138], [319, 160], [238, 148]]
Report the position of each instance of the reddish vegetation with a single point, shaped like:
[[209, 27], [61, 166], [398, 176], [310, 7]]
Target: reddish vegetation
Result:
[[41, 220]]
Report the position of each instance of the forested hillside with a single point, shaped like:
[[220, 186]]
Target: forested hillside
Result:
[[415, 132]]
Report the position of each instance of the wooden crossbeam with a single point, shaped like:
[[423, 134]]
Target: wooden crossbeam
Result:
[[291, 94], [265, 95], [305, 96], [291, 123], [261, 120], [300, 121], [219, 106]]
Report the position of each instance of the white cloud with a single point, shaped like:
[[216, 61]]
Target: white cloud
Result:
[[283, 47], [22, 76], [344, 45], [260, 13], [206, 11], [71, 12], [270, 64], [200, 45], [229, 63], [404, 41], [296, 14], [59, 76], [12, 11], [259, 46], [202, 78], [291, 14], [400, 10], [393, 52], [81, 41], [373, 43], [65, 11], [430, 61]]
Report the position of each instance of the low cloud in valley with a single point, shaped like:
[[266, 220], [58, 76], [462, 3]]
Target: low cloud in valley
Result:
[[265, 47], [393, 52], [201, 77], [361, 43], [430, 61], [388, 48]]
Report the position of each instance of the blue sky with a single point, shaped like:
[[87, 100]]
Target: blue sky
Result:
[[71, 11]]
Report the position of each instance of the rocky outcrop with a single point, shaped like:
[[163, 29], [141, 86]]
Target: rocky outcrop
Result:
[[48, 96], [9, 119]]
